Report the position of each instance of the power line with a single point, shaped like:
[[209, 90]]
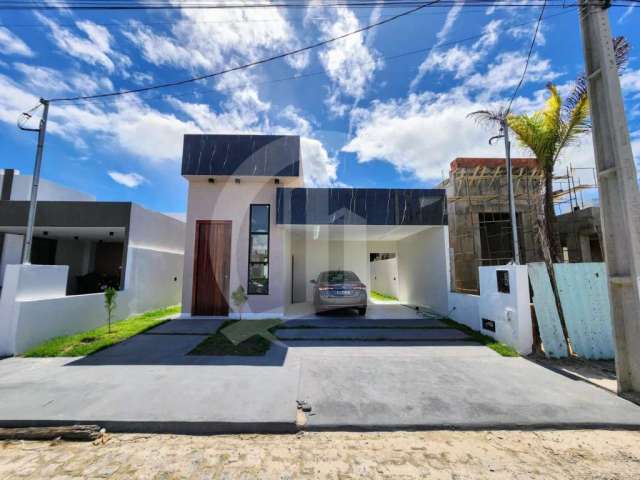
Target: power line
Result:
[[155, 5], [526, 64], [395, 56], [229, 21], [249, 65]]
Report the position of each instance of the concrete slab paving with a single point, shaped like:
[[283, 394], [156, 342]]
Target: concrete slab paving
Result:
[[194, 398], [350, 391], [370, 334], [187, 326], [149, 383]]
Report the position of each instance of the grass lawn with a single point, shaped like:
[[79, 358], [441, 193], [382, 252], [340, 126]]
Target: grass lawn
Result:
[[219, 345], [499, 347], [86, 343], [381, 297]]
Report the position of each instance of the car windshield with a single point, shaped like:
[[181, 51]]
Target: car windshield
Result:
[[338, 276]]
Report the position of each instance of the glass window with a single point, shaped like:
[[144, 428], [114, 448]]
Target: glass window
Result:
[[259, 218], [258, 278]]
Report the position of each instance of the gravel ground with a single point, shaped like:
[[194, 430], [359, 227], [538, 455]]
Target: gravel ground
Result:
[[493, 455]]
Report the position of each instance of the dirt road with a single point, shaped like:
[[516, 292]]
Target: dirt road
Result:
[[406, 455]]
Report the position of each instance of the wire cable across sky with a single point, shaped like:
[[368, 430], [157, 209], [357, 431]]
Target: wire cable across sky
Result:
[[246, 65]]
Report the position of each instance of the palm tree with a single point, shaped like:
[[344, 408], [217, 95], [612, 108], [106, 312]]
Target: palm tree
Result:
[[546, 133], [550, 130]]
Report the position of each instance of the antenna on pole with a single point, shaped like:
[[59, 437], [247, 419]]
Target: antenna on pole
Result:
[[42, 129]]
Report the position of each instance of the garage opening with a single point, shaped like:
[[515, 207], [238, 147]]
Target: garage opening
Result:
[[401, 265]]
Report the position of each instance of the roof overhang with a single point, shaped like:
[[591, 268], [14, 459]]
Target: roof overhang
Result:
[[361, 206]]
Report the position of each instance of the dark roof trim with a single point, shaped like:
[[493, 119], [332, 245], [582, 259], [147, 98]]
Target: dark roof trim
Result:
[[361, 206], [66, 214], [241, 155]]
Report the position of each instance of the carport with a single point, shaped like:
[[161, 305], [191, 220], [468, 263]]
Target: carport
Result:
[[347, 229]]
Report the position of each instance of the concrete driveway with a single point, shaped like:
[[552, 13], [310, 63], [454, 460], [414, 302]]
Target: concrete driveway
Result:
[[149, 383], [375, 311]]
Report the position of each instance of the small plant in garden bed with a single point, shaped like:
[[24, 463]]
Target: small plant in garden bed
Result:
[[86, 343]]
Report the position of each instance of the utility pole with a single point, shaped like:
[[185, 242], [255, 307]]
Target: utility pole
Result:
[[512, 201], [618, 187], [42, 129]]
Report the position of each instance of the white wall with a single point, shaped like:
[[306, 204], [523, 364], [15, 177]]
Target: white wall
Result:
[[311, 257], [11, 252], [47, 190], [465, 308], [384, 277], [35, 308], [423, 269], [511, 311], [227, 200]]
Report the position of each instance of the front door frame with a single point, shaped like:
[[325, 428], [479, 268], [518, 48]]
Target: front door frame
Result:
[[194, 283]]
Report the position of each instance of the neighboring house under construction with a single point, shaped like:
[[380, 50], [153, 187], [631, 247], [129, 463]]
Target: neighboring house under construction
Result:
[[480, 225]]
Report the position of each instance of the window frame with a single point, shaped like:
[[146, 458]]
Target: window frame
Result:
[[250, 243]]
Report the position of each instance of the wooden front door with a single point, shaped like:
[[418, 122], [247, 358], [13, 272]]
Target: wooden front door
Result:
[[211, 268]]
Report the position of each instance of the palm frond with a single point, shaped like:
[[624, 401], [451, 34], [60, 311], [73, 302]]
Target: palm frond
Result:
[[621, 50], [576, 125], [488, 118]]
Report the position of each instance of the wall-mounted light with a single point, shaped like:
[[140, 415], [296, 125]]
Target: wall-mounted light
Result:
[[76, 237], [45, 233], [237, 180], [276, 181], [111, 234], [210, 180]]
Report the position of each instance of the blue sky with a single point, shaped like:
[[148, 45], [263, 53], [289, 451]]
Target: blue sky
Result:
[[383, 109]]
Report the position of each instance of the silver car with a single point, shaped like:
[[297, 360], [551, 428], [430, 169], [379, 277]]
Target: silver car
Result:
[[339, 289]]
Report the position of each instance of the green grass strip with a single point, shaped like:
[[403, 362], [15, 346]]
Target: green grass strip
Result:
[[498, 347], [86, 343], [381, 297], [218, 345]]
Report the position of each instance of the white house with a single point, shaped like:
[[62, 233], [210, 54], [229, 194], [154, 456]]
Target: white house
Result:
[[80, 246]]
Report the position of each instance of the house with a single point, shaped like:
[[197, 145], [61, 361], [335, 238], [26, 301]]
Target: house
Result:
[[251, 222], [79, 247]]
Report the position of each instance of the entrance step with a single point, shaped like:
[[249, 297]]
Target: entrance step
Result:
[[371, 334], [356, 322]]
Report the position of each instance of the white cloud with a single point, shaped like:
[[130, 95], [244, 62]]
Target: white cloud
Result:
[[626, 13], [350, 63], [318, 167], [449, 21], [505, 73], [459, 60], [420, 135], [216, 38], [131, 180], [49, 81], [630, 81], [526, 32], [95, 47], [10, 44]]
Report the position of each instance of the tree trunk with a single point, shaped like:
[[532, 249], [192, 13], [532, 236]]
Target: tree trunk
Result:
[[551, 222]]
